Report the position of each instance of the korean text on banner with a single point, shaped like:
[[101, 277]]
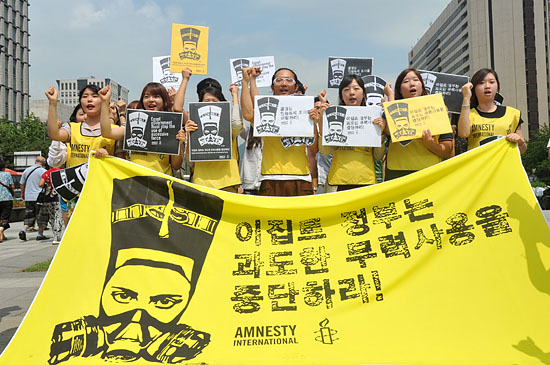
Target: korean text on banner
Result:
[[431, 268]]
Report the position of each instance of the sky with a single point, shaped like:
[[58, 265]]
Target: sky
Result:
[[117, 39]]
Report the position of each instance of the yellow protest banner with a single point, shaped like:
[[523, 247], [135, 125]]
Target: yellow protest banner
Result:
[[408, 118], [189, 48], [432, 268]]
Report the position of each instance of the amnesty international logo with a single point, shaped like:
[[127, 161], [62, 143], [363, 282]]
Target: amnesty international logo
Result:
[[326, 335]]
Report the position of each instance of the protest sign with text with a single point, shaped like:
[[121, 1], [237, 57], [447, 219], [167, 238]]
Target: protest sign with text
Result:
[[152, 131], [351, 126], [283, 116], [189, 48], [408, 118], [212, 140]]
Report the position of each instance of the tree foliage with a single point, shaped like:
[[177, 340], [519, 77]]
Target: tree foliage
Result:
[[29, 134], [535, 159]]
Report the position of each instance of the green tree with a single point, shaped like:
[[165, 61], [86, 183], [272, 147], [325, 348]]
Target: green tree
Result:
[[30, 134], [535, 159]]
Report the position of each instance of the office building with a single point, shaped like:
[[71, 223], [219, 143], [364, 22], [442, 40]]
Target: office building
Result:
[[510, 36], [14, 59], [68, 89]]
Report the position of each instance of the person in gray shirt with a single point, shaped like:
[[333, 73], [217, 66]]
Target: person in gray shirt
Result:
[[29, 193]]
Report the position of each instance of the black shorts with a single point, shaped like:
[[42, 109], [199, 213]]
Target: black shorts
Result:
[[5, 212]]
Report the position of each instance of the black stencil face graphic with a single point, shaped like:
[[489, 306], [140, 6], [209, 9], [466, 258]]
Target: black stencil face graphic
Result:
[[165, 66], [238, 65], [429, 81], [374, 88], [336, 117], [400, 115], [158, 249], [138, 122], [268, 107], [210, 121], [338, 67], [190, 38]]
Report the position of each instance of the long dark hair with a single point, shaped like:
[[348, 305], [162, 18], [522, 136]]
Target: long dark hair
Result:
[[399, 81], [72, 118], [156, 89], [477, 79], [208, 82], [212, 91], [346, 81]]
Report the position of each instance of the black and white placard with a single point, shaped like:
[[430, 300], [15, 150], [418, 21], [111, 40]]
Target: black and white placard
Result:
[[266, 63], [162, 74], [339, 67], [283, 116], [351, 126], [449, 85], [212, 140], [152, 131]]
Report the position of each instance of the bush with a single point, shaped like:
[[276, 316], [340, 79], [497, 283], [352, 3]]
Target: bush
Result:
[[538, 184], [29, 134], [535, 159]]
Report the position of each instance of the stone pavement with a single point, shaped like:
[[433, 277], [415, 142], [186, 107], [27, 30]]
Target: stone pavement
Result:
[[17, 289]]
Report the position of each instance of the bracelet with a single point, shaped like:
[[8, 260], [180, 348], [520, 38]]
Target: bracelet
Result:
[[465, 106]]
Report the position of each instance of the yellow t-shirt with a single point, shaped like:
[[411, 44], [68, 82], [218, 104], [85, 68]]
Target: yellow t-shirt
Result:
[[352, 166], [412, 157], [80, 146], [218, 174], [154, 161], [278, 160], [501, 122]]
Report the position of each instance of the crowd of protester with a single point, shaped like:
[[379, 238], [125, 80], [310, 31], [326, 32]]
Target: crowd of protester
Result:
[[267, 167]]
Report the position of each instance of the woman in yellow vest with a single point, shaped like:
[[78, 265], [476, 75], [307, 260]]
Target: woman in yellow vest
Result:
[[410, 156], [222, 175], [81, 137], [155, 97], [351, 167], [481, 119]]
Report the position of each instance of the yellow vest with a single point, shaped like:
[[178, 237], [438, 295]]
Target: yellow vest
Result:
[[218, 174], [352, 166], [277, 160], [80, 146], [412, 157], [482, 127], [154, 161]]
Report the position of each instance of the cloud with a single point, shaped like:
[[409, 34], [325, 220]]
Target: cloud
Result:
[[86, 15], [118, 38]]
